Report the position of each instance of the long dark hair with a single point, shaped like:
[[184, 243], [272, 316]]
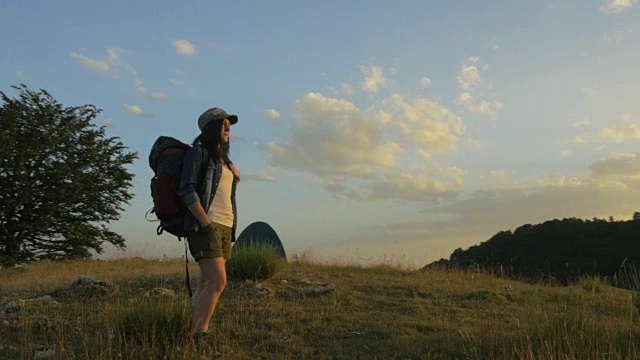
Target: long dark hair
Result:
[[212, 142]]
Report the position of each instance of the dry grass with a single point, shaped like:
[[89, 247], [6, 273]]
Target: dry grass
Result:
[[382, 312]]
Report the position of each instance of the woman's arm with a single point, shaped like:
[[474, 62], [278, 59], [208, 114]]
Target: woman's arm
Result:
[[198, 212], [235, 172], [192, 163]]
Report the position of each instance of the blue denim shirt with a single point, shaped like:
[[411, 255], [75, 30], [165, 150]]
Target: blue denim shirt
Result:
[[194, 186]]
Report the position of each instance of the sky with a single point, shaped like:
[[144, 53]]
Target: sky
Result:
[[369, 131]]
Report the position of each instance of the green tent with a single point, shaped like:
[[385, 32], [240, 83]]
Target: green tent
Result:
[[260, 233]]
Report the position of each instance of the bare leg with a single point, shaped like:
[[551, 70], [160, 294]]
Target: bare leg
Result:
[[211, 282]]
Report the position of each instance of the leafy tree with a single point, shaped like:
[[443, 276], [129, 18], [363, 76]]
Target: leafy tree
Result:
[[61, 179]]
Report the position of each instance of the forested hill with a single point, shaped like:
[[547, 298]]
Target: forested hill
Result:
[[557, 249]]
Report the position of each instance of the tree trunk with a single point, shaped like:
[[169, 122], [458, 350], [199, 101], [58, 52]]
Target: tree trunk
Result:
[[10, 248]]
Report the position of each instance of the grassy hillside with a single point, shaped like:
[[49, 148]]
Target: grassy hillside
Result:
[[379, 312]]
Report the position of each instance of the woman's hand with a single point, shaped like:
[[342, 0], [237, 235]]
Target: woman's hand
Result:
[[235, 172], [198, 212]]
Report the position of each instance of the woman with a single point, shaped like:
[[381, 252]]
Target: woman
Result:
[[208, 187]]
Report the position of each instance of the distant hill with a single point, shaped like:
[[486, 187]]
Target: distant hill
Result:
[[557, 249]]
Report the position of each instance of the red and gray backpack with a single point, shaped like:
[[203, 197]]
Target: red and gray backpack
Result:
[[165, 160]]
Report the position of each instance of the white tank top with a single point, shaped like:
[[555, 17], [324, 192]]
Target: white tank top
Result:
[[221, 210]]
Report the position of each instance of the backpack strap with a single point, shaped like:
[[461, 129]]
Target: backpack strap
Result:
[[187, 283]]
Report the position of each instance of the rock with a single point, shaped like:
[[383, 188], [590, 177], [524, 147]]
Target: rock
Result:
[[161, 292], [320, 290], [170, 280], [42, 322], [44, 300], [84, 280], [12, 306], [8, 347], [44, 354], [262, 291], [84, 287], [257, 290]]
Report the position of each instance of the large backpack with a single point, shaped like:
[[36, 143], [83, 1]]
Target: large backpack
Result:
[[165, 159]]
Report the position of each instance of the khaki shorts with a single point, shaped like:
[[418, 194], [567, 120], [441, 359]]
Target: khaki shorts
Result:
[[211, 241]]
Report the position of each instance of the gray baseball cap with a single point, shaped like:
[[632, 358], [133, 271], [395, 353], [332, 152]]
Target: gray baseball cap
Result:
[[215, 114]]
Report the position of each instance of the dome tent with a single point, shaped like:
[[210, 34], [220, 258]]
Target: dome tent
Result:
[[260, 233]]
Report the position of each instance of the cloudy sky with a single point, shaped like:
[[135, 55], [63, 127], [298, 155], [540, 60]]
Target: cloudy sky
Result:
[[369, 131]]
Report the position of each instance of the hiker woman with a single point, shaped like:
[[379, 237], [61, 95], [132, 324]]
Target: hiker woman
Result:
[[208, 188]]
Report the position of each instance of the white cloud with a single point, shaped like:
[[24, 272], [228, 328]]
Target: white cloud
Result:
[[581, 124], [424, 81], [176, 82], [113, 56], [617, 164], [113, 65], [19, 73], [499, 175], [579, 140], [266, 175], [469, 76], [93, 64], [347, 89], [425, 123], [616, 37], [620, 133], [137, 81], [383, 116], [184, 47], [406, 186], [157, 96], [545, 180], [351, 154], [333, 137], [504, 180], [616, 6], [107, 122], [476, 144], [374, 78], [488, 108], [588, 91], [137, 111], [464, 97], [273, 115], [565, 154], [469, 79]]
